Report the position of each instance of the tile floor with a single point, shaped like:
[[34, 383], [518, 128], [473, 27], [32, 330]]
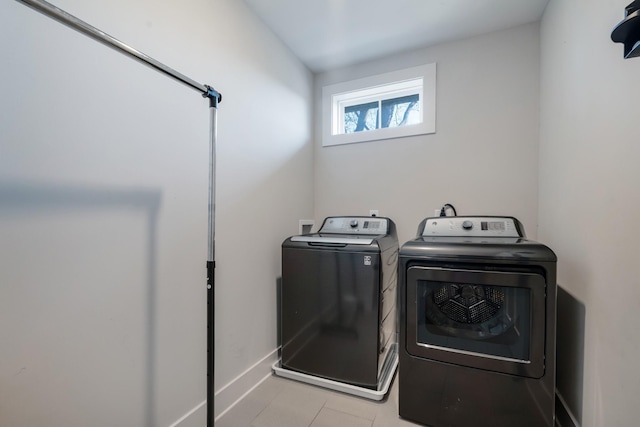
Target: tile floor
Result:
[[280, 402]]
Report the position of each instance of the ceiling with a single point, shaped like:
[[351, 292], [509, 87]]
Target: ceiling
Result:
[[327, 34]]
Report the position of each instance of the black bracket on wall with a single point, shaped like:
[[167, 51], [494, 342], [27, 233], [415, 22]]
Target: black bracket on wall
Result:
[[628, 31]]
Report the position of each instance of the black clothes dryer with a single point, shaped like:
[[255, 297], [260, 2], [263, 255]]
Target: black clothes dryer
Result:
[[339, 298], [477, 325]]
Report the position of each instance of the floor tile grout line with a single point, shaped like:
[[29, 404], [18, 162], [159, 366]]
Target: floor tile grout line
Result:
[[318, 413], [348, 413], [327, 395], [270, 401], [351, 413]]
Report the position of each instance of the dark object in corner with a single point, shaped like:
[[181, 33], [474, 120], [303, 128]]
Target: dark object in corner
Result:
[[628, 31], [443, 210]]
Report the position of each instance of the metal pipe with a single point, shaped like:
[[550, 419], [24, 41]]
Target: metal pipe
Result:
[[213, 108], [212, 183], [79, 25]]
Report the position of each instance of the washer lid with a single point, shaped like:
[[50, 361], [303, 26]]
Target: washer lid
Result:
[[336, 239]]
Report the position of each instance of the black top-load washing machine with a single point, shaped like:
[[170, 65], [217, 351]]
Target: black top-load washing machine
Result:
[[477, 325], [338, 301]]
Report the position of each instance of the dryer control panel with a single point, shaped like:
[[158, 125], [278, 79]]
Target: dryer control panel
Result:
[[472, 226]]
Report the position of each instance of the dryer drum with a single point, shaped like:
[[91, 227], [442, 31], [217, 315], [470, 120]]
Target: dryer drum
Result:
[[468, 303], [472, 311]]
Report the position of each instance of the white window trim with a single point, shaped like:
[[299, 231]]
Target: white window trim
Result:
[[331, 93]]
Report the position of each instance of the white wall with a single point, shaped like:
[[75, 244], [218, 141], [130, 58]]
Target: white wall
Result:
[[589, 200], [483, 158], [103, 208]]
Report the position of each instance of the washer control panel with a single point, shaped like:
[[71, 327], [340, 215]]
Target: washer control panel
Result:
[[471, 226], [355, 225]]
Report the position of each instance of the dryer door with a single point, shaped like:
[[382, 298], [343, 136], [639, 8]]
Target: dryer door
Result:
[[482, 319]]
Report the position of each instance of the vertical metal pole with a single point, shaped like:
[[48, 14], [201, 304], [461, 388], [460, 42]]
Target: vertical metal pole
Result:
[[214, 98]]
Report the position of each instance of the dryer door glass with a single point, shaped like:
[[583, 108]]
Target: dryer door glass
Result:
[[489, 320], [483, 319]]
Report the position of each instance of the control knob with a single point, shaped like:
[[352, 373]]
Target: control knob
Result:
[[467, 225], [353, 223]]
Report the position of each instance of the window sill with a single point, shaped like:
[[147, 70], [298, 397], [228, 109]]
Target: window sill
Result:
[[379, 134]]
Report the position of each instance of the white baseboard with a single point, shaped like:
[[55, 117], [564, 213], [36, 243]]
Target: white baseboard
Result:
[[194, 417], [236, 389], [230, 394]]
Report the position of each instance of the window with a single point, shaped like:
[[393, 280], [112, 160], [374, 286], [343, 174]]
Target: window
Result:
[[392, 106], [385, 106]]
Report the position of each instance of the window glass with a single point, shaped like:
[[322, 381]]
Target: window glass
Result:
[[401, 111], [361, 117]]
